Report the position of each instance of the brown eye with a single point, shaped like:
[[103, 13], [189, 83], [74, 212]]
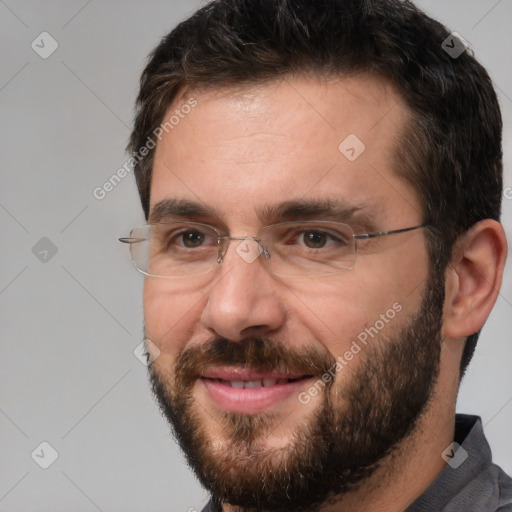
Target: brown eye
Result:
[[192, 238], [315, 239]]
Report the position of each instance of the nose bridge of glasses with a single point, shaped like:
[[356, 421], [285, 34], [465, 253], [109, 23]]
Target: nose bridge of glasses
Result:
[[248, 251]]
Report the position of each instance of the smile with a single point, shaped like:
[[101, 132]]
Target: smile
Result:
[[241, 390], [259, 383]]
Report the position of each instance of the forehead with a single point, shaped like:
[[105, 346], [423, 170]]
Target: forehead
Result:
[[239, 151]]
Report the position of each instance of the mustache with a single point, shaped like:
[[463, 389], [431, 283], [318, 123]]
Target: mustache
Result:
[[257, 353]]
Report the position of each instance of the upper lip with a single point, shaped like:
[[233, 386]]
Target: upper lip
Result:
[[245, 374]]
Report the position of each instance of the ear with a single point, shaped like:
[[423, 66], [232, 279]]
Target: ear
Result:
[[473, 278]]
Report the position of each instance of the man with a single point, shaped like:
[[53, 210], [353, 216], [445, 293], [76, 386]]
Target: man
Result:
[[322, 183]]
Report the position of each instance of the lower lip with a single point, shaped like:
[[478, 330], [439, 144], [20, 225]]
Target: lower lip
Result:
[[250, 400]]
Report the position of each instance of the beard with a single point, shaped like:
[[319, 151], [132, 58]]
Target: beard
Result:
[[334, 448]]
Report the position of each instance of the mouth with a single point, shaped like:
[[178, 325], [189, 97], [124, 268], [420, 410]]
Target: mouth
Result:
[[242, 390], [258, 383]]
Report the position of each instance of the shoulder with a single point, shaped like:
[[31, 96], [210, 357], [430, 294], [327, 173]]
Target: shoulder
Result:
[[471, 482], [505, 489]]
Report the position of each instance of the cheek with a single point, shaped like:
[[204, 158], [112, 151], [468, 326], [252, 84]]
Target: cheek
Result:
[[170, 315], [362, 308]]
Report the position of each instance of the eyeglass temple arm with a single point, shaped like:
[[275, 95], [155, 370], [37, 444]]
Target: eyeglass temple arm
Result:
[[393, 232], [130, 240]]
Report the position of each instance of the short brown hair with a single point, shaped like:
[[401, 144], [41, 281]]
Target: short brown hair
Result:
[[451, 153]]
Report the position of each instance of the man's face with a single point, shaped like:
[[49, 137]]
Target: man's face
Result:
[[327, 363]]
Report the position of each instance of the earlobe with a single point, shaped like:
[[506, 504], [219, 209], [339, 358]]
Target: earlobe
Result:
[[473, 279]]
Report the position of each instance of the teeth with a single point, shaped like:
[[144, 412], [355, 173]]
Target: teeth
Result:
[[239, 384], [253, 384]]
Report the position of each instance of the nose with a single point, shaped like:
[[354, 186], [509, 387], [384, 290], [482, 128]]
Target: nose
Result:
[[246, 299]]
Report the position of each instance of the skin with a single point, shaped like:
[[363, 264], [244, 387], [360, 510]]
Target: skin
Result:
[[239, 149]]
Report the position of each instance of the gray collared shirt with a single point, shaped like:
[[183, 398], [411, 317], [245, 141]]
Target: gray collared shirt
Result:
[[476, 485]]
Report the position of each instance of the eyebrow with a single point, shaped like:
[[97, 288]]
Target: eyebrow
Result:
[[296, 209], [307, 209], [169, 209]]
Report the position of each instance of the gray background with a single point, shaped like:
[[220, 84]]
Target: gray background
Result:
[[70, 320]]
